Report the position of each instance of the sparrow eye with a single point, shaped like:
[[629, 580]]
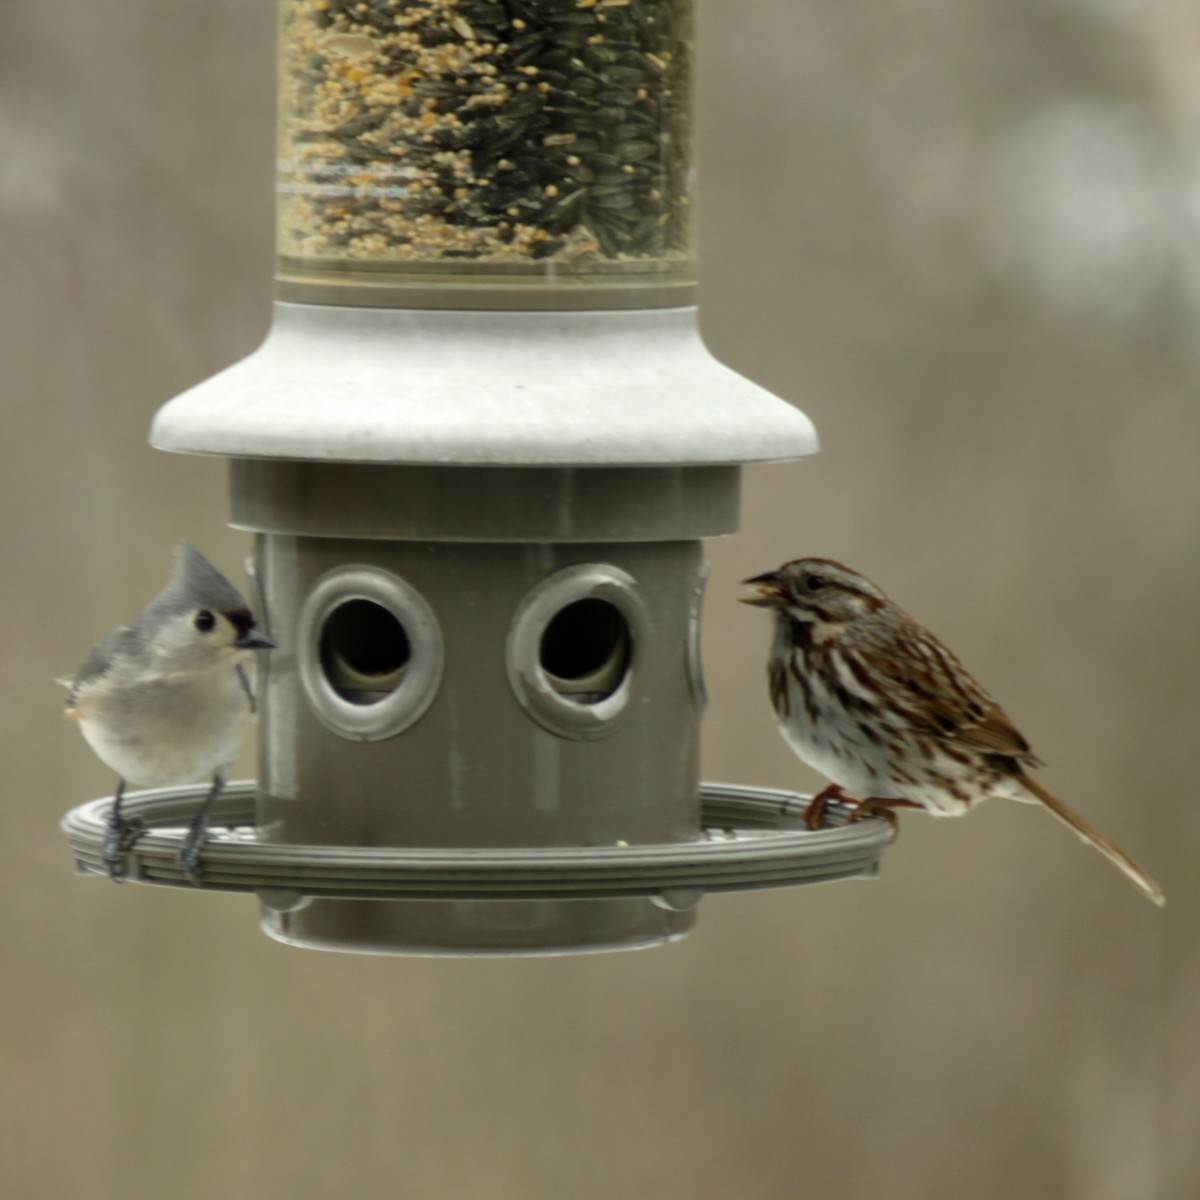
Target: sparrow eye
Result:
[[815, 582], [204, 621]]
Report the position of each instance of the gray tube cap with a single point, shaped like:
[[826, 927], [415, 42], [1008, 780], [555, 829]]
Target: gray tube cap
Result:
[[416, 386]]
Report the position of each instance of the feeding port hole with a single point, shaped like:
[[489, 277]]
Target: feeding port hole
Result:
[[585, 650], [364, 651]]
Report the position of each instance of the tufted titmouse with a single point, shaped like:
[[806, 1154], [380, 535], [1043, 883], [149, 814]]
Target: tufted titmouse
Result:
[[165, 698]]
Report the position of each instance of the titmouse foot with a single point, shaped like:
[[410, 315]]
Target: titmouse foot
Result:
[[189, 854], [119, 837]]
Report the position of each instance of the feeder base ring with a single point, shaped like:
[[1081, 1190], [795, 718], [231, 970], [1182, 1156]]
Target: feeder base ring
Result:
[[750, 838]]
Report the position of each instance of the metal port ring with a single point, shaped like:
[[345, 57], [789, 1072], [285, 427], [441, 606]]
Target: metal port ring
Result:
[[536, 690], [752, 838], [408, 699]]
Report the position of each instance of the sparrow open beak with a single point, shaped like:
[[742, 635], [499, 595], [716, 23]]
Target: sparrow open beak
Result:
[[769, 588], [251, 639]]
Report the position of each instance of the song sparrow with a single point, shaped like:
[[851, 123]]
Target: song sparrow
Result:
[[879, 706]]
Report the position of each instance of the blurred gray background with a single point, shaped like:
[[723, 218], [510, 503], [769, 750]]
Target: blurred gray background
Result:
[[963, 236]]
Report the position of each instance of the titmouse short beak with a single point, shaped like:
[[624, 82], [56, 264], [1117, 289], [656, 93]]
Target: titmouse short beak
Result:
[[251, 639], [769, 587]]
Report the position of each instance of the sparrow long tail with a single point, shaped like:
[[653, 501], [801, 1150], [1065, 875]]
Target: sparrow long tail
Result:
[[1094, 837]]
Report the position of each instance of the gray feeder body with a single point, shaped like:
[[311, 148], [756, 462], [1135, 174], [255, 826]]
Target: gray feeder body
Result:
[[479, 449], [493, 641]]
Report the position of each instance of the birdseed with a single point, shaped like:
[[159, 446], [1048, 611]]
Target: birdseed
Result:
[[541, 134]]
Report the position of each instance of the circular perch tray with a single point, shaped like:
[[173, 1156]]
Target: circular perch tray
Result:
[[751, 838]]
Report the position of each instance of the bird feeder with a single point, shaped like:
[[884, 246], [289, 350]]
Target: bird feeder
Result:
[[478, 451]]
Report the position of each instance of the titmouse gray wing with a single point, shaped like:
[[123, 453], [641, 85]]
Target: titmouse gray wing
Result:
[[125, 643]]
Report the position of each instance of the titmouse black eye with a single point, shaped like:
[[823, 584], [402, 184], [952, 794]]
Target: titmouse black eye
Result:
[[815, 582], [204, 621]]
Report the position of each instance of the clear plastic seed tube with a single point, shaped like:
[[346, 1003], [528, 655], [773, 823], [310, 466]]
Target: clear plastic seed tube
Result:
[[500, 148]]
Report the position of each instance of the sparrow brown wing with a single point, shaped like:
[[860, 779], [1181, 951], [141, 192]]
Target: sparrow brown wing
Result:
[[996, 734], [942, 698]]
